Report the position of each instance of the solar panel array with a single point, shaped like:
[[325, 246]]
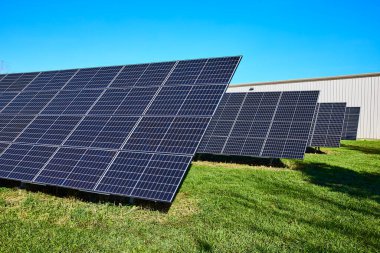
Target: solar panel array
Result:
[[261, 124], [125, 130], [328, 125], [351, 123]]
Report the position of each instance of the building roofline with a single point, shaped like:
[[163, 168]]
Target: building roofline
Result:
[[307, 80]]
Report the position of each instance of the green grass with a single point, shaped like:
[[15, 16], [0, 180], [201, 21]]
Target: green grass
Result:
[[326, 203]]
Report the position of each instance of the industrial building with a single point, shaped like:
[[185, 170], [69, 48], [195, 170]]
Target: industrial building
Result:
[[362, 90]]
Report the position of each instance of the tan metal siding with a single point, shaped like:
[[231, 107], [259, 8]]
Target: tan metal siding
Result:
[[361, 91]]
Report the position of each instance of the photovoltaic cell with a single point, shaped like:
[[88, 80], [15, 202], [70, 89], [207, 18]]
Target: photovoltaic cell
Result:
[[261, 124], [186, 72], [8, 80], [5, 98], [11, 126], [2, 76], [76, 168], [29, 103], [22, 162], [126, 130], [327, 125], [49, 81], [129, 76], [351, 123], [16, 82], [51, 130], [106, 132], [3, 146]]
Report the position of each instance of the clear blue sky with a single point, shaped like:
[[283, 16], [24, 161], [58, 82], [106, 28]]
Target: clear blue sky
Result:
[[278, 39]]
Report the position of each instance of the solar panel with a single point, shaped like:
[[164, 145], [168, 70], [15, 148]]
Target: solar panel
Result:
[[351, 123], [126, 130], [328, 125], [261, 124], [5, 98], [2, 76], [16, 82]]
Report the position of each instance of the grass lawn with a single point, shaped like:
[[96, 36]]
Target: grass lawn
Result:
[[326, 203]]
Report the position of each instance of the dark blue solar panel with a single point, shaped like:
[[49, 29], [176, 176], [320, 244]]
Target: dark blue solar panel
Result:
[[218, 70], [82, 102], [169, 100], [41, 81], [23, 81], [129, 76], [124, 173], [136, 101], [2, 76], [261, 124], [214, 145], [30, 103], [165, 172], [351, 123], [201, 100], [186, 72], [74, 126], [3, 146], [51, 80], [12, 126], [107, 132], [60, 166], [75, 168], [148, 134], [81, 79], [328, 125], [162, 178], [90, 167], [155, 74], [6, 98], [8, 80], [72, 102], [109, 102], [102, 78], [183, 135], [18, 103], [51, 130], [23, 162], [16, 82]]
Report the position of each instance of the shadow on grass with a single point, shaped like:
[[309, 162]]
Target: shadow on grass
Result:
[[314, 150], [204, 246], [365, 150], [253, 161], [87, 196], [363, 184]]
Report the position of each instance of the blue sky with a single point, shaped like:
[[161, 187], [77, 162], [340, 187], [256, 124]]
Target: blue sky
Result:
[[278, 39]]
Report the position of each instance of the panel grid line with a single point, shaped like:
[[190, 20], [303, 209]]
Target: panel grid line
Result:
[[170, 125], [135, 126], [80, 121], [270, 125], [291, 124], [134, 135], [233, 124], [312, 130], [254, 118], [283, 120], [3, 77], [18, 93], [33, 118], [37, 116]]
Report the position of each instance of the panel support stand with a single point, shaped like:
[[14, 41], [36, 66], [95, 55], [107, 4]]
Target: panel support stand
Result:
[[270, 162], [131, 201]]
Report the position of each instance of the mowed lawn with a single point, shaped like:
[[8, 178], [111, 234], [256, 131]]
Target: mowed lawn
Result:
[[326, 203]]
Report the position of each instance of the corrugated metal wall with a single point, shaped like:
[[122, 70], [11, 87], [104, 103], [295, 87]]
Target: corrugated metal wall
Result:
[[357, 91]]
